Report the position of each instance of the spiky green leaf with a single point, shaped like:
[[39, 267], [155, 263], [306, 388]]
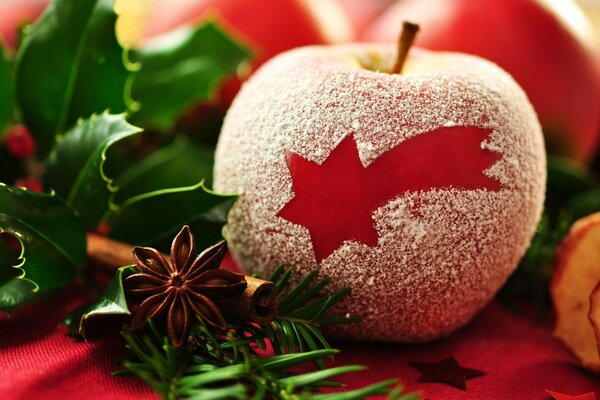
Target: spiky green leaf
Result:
[[75, 167], [52, 243], [69, 66], [181, 69], [154, 218], [111, 302], [182, 163]]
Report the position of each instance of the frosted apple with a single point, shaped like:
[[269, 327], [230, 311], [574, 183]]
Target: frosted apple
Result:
[[543, 44], [419, 190]]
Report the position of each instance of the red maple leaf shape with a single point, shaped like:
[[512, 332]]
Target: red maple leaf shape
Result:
[[335, 200]]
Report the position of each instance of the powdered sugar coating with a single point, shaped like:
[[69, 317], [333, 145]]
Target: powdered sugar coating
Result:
[[442, 254]]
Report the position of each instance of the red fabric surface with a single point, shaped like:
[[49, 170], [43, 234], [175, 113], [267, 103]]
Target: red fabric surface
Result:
[[38, 360], [518, 354]]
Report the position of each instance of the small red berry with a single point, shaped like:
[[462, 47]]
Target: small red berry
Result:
[[103, 228], [19, 141], [30, 183]]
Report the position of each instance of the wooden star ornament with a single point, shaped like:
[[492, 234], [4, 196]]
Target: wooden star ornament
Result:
[[562, 396], [446, 371]]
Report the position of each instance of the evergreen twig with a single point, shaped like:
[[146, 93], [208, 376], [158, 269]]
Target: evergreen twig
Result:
[[229, 366]]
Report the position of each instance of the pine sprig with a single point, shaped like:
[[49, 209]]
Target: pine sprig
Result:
[[176, 374], [236, 365], [302, 311], [156, 362]]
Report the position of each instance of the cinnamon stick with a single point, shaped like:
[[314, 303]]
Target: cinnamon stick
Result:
[[257, 303], [108, 255]]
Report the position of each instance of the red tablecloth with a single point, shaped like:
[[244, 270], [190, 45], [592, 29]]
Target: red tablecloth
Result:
[[38, 360]]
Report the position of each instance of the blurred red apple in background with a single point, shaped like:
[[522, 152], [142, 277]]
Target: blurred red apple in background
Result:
[[363, 12], [269, 26], [543, 44], [591, 8], [16, 13]]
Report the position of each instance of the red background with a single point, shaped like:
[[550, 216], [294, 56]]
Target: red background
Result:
[[39, 361]]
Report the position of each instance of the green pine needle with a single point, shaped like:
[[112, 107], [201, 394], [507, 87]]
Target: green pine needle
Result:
[[302, 312]]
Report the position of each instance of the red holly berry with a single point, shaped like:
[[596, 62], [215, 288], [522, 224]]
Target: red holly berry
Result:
[[19, 141], [102, 229], [30, 183]]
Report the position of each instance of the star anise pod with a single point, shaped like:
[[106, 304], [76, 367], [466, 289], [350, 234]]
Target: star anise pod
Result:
[[183, 288]]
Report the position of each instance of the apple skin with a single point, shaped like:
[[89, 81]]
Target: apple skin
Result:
[[441, 255], [268, 26], [15, 13], [546, 57]]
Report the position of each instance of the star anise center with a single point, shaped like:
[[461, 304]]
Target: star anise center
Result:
[[177, 281], [182, 289]]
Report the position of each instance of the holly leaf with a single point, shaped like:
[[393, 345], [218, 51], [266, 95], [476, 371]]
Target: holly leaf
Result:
[[182, 163], [583, 204], [181, 69], [111, 302], [12, 289], [154, 218], [53, 245], [566, 178], [69, 66], [75, 168], [6, 90], [569, 176]]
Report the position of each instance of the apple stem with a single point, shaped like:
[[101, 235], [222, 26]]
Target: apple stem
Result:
[[407, 37]]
